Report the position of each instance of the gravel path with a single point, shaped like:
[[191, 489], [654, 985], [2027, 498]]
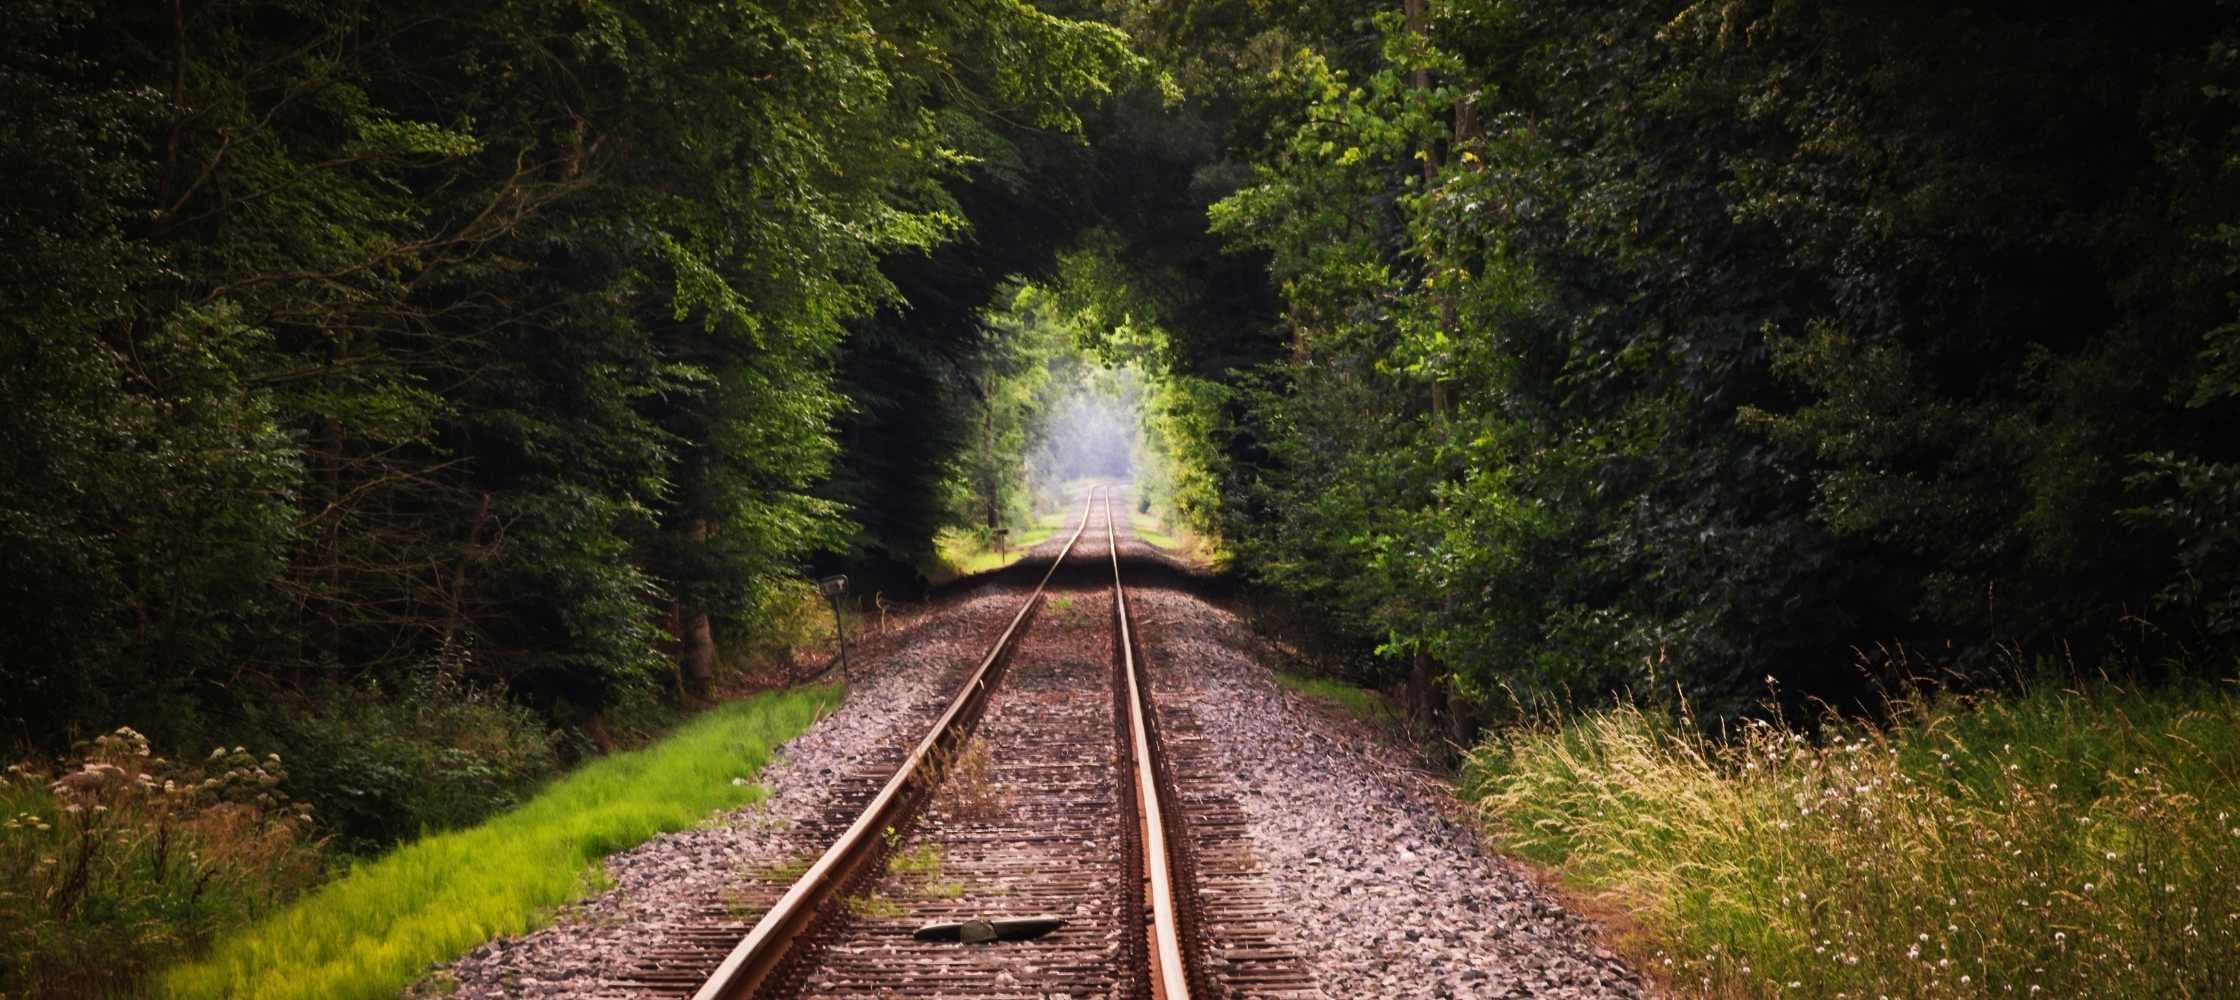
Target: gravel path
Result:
[[1390, 897], [895, 695]]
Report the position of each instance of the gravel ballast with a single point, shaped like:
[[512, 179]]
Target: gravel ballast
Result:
[[895, 694], [1387, 895]]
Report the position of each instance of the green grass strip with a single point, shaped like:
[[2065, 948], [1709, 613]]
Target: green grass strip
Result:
[[1355, 700], [376, 929], [1152, 531], [960, 554]]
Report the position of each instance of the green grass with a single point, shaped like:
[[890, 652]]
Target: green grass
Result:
[[1354, 700], [873, 906], [2056, 843], [922, 860], [960, 553], [1153, 531], [373, 931]]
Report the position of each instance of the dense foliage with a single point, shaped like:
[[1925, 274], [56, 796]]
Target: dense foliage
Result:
[[347, 345], [425, 390], [1643, 344]]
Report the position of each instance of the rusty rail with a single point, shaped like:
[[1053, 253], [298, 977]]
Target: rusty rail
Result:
[[1171, 969], [797, 914]]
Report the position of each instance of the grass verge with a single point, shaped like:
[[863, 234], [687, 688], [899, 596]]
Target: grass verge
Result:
[[1354, 700], [373, 931], [2054, 843], [962, 553], [1153, 532]]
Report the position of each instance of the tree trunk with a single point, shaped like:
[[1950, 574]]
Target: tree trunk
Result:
[[1462, 728], [456, 594], [696, 636], [988, 484], [698, 656], [1420, 699]]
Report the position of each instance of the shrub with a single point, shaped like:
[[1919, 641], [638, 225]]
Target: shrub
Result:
[[2057, 843], [438, 754], [124, 859]]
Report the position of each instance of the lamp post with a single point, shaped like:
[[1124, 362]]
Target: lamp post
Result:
[[832, 587]]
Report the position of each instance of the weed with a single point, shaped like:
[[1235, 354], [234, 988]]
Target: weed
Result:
[[126, 859], [924, 859], [967, 780], [873, 906]]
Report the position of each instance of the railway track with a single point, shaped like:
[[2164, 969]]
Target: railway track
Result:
[[1040, 791]]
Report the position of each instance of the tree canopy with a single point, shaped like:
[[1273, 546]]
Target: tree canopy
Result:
[[1532, 348]]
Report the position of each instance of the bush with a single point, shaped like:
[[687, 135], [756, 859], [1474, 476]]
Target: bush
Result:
[[789, 616], [381, 767], [2057, 843], [123, 860]]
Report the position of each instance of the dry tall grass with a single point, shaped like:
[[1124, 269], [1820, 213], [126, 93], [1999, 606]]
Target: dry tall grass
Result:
[[126, 859], [2053, 844]]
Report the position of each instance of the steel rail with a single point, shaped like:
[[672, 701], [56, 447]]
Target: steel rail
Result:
[[795, 916], [1170, 975]]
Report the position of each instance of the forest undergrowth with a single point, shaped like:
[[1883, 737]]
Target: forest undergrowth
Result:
[[2055, 842]]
